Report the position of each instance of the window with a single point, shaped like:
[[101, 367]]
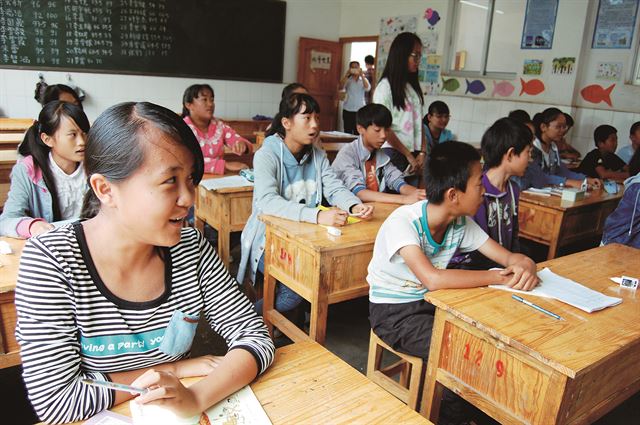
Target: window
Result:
[[635, 78], [486, 37]]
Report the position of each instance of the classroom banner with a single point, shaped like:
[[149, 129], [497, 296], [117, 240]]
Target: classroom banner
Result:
[[614, 24]]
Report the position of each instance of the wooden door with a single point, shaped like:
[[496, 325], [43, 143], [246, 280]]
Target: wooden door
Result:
[[318, 70]]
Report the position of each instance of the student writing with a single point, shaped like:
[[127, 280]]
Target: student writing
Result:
[[48, 182], [365, 169], [128, 313], [198, 106], [292, 175]]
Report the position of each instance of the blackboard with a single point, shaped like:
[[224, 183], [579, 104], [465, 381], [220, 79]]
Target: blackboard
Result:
[[221, 39]]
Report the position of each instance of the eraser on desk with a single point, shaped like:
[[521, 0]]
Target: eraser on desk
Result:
[[334, 231], [153, 414], [571, 194]]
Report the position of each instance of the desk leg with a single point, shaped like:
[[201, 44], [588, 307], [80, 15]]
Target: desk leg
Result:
[[224, 242], [555, 236], [268, 288], [432, 392], [319, 307]]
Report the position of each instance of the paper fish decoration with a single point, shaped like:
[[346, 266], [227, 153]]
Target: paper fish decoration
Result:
[[503, 88], [475, 87], [596, 94], [531, 87], [432, 16], [450, 85]]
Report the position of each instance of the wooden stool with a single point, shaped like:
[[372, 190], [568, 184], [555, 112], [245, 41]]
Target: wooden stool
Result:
[[410, 368]]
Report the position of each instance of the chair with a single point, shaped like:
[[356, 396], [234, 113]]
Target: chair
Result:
[[409, 368]]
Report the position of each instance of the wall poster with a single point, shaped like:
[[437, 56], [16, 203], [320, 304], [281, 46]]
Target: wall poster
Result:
[[614, 24], [539, 24]]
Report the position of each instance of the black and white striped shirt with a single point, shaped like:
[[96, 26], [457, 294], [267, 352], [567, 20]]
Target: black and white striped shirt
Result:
[[70, 326]]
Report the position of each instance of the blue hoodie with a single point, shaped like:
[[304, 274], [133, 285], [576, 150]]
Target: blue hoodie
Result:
[[623, 225], [291, 189]]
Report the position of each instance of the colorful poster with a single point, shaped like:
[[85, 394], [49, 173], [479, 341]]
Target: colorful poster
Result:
[[609, 71], [389, 28], [563, 66], [539, 24], [614, 24], [429, 74], [532, 67], [429, 40]]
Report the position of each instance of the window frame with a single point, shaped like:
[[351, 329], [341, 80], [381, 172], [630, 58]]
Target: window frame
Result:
[[482, 73]]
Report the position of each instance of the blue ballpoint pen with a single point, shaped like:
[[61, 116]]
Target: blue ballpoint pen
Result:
[[537, 307]]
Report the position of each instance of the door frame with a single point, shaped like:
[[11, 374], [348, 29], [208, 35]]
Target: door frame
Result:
[[362, 38]]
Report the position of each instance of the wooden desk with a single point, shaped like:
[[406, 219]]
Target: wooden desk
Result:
[[226, 210], [522, 366], [9, 348], [321, 268], [248, 128], [308, 385], [556, 223]]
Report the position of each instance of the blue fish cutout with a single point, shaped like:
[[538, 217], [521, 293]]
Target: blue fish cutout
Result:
[[475, 87], [434, 18]]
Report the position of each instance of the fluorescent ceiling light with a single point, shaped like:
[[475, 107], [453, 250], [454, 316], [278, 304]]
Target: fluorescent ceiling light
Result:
[[469, 3]]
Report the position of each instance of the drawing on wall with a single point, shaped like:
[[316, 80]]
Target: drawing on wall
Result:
[[475, 87], [429, 40], [429, 74], [532, 67], [563, 66], [610, 71], [595, 93], [502, 88], [539, 24], [531, 87], [615, 24], [389, 28], [431, 16], [452, 84]]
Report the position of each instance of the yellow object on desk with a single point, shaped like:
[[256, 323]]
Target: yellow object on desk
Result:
[[350, 219]]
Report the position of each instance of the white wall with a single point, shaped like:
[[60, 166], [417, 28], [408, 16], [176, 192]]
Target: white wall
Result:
[[234, 99]]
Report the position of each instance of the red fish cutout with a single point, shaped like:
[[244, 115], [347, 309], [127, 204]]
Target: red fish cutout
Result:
[[596, 94], [531, 87]]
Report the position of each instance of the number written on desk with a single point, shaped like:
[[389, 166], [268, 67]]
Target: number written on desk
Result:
[[478, 360]]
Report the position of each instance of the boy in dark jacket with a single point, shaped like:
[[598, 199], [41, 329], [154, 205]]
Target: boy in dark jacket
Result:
[[623, 225]]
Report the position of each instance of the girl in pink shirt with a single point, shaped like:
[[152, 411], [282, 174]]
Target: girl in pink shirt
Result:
[[198, 106]]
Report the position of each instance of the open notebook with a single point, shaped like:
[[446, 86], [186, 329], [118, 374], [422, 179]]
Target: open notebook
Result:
[[566, 290], [225, 182]]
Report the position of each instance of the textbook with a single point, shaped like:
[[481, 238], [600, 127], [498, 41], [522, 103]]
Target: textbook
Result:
[[566, 290]]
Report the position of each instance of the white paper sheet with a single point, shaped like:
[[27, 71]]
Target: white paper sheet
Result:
[[225, 182], [566, 290]]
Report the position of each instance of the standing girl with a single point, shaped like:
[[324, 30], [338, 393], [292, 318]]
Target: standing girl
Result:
[[546, 168], [198, 106], [48, 183], [128, 313], [399, 90], [291, 177]]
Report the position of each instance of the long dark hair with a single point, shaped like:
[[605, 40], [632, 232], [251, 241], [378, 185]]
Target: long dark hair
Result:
[[191, 93], [396, 69], [116, 144], [289, 106], [53, 92], [545, 117], [48, 123]]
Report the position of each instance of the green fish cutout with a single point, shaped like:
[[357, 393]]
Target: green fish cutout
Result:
[[451, 84]]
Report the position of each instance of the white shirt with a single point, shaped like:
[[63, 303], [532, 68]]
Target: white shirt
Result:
[[355, 94], [70, 188]]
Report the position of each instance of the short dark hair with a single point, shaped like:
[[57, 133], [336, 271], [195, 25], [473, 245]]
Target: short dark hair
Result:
[[53, 92], [448, 166], [602, 132], [290, 106], [352, 62], [634, 127], [521, 116], [438, 107], [192, 92], [504, 134], [290, 88], [116, 144], [374, 114], [545, 117], [369, 59]]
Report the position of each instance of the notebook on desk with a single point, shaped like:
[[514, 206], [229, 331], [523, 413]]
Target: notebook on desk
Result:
[[566, 290], [225, 182]]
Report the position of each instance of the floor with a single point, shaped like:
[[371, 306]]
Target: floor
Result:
[[347, 337]]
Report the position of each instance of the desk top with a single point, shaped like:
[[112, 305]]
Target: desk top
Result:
[[227, 189], [10, 263], [15, 124], [317, 238], [579, 342], [309, 385], [556, 202]]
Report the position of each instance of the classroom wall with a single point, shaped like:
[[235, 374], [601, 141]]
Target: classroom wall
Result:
[[472, 114], [234, 99]]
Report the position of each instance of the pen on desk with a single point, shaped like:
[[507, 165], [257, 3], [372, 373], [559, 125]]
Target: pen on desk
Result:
[[537, 307], [114, 386]]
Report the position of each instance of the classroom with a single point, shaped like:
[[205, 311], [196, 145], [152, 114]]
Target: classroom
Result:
[[306, 255]]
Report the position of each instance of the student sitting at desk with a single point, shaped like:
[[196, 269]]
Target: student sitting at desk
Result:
[[198, 106], [435, 124], [365, 169], [117, 297], [291, 178], [626, 152], [623, 225], [602, 162], [506, 149], [546, 168], [48, 183], [567, 151]]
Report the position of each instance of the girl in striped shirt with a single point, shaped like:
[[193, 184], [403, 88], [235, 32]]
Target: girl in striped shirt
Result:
[[118, 296]]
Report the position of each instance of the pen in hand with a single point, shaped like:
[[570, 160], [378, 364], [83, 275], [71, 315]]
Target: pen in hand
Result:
[[114, 386], [537, 307]]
